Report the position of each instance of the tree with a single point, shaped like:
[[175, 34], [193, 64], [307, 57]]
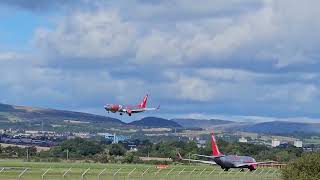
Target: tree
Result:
[[306, 167], [82, 147], [131, 158], [117, 150]]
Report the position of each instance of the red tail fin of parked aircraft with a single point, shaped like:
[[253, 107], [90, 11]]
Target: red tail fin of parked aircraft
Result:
[[215, 149], [143, 103]]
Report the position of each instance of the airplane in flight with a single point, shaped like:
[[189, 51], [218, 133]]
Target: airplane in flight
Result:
[[114, 108], [226, 161]]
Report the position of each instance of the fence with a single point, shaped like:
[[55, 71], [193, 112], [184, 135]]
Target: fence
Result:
[[137, 173]]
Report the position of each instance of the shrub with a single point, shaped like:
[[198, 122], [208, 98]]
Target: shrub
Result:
[[306, 167]]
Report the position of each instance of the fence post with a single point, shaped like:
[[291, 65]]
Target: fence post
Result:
[[181, 171], [1, 170], [190, 174], [156, 173], [261, 171], [101, 173], [20, 175], [212, 171], [170, 171], [84, 173], [131, 172], [203, 171], [42, 176], [65, 173], [275, 171], [114, 175], [239, 171], [145, 171]]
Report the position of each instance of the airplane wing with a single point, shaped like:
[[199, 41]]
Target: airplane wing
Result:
[[210, 157], [144, 109], [194, 160], [200, 161], [254, 163]]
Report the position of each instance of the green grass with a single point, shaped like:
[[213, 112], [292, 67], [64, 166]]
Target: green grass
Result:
[[14, 167]]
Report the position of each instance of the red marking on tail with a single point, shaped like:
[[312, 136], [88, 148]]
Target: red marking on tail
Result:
[[143, 103], [215, 149]]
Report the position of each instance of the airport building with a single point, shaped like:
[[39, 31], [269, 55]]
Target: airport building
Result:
[[297, 143], [243, 140], [275, 143]]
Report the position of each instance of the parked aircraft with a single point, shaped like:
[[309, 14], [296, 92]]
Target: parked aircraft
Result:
[[227, 161], [114, 108]]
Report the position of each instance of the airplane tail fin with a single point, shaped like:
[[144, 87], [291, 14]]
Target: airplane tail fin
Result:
[[143, 103], [215, 149]]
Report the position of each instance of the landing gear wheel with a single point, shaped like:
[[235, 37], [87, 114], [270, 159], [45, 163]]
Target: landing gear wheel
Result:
[[252, 168], [121, 114], [129, 114], [226, 169]]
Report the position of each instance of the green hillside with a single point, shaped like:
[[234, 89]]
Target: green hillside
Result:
[[33, 118]]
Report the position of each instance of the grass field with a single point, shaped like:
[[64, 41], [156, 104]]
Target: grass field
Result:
[[12, 170]]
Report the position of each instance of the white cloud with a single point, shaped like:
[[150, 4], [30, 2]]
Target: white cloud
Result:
[[268, 32], [7, 56], [89, 35], [211, 52]]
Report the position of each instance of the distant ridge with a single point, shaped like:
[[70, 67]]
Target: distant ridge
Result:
[[155, 122], [25, 117], [193, 123], [281, 127], [29, 114]]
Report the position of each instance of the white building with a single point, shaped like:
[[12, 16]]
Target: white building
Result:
[[243, 140], [275, 143], [297, 143]]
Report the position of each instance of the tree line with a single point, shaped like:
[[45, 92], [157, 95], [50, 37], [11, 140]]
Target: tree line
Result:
[[103, 151]]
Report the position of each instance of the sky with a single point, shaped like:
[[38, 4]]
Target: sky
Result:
[[245, 60]]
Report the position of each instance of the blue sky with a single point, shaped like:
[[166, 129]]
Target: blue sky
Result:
[[249, 60]]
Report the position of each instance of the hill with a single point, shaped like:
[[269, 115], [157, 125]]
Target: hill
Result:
[[155, 122], [281, 127], [192, 123], [22, 116]]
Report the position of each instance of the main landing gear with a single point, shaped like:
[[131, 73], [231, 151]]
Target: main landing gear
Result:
[[121, 114], [252, 168], [226, 169]]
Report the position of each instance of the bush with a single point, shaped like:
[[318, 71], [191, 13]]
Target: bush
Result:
[[306, 167], [117, 150]]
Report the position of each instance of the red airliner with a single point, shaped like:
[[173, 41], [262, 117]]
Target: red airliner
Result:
[[114, 108], [227, 161]]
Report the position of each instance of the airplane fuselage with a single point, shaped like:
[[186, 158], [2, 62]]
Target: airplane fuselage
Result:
[[141, 107], [233, 161], [114, 108]]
